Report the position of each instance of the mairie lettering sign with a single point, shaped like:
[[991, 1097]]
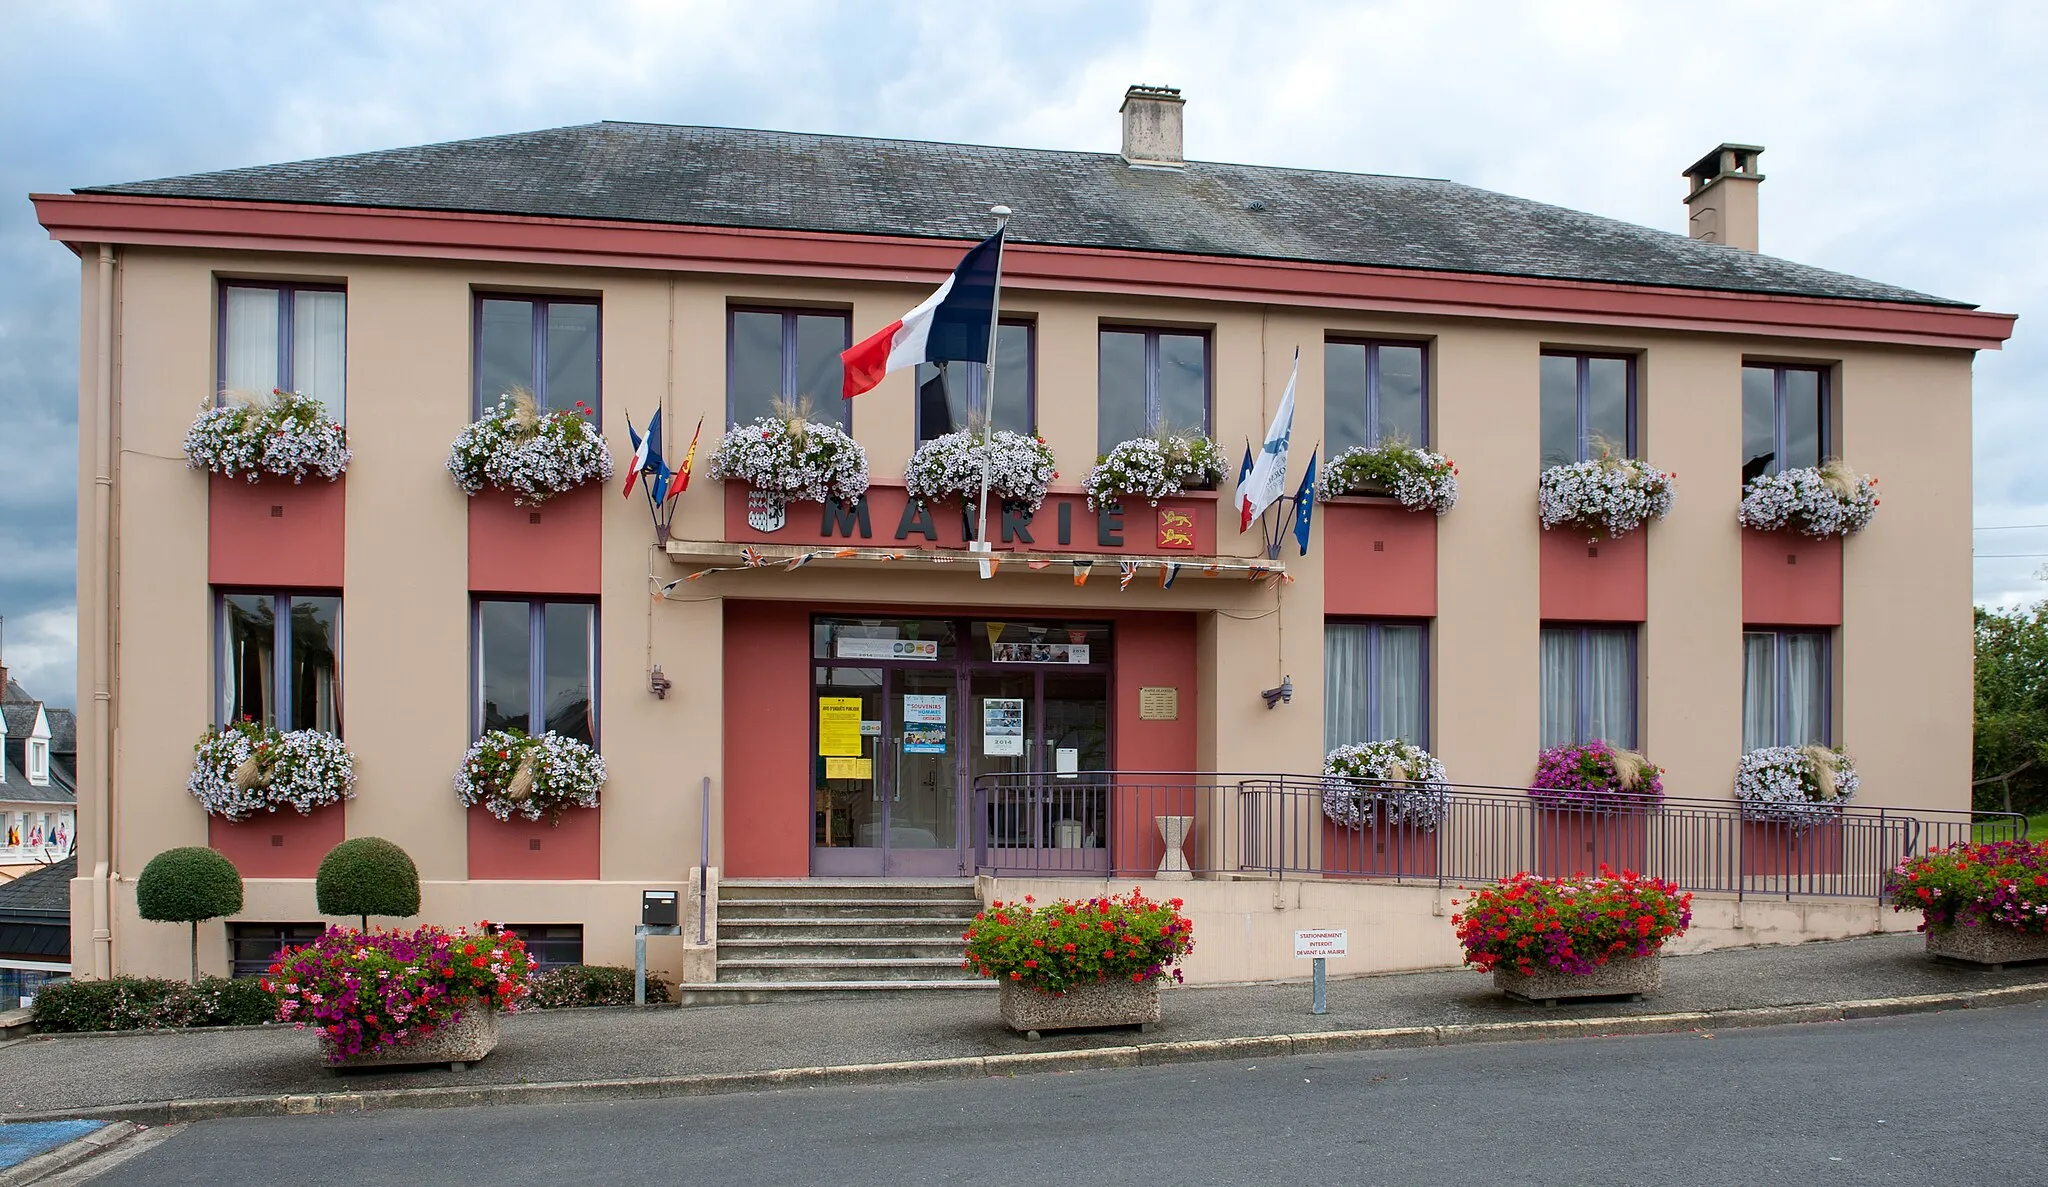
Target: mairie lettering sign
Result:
[[887, 517]]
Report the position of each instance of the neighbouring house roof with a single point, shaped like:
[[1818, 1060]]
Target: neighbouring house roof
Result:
[[727, 177], [63, 731], [61, 789], [20, 717], [35, 912]]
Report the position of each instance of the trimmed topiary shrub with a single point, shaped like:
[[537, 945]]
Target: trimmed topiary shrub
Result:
[[186, 886], [147, 1003], [367, 876], [593, 985]]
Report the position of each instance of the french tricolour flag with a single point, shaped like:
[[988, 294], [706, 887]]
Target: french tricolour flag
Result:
[[953, 323]]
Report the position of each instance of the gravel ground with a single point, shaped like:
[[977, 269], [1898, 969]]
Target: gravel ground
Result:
[[81, 1071]]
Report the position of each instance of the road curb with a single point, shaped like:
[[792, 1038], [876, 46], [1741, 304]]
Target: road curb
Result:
[[1040, 1062]]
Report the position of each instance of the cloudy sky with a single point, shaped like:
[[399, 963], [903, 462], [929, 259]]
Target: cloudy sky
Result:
[[1905, 143]]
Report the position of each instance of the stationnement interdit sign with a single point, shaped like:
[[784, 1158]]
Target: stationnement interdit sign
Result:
[[1310, 944]]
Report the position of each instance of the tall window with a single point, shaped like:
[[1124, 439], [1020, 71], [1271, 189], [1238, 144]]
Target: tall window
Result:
[[1785, 684], [1150, 382], [1375, 682], [953, 396], [787, 357], [1588, 407], [280, 659], [1373, 392], [288, 337], [1784, 419], [546, 346], [1589, 685], [537, 667]]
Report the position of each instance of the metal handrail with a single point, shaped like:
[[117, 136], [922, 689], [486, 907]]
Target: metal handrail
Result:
[[1265, 824]]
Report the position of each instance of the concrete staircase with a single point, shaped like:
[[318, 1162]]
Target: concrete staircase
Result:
[[779, 940]]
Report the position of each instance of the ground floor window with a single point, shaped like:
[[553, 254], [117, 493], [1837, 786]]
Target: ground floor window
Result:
[[253, 946], [1589, 685], [1375, 682], [550, 945], [19, 981], [1785, 686]]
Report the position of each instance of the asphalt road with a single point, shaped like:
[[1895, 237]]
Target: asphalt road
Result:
[[1952, 1099]]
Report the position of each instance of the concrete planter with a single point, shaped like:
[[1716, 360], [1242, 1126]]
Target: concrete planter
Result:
[[1632, 977], [1994, 947], [463, 1042], [1095, 1003]]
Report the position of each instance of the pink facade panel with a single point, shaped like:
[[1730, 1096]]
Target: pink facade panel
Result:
[[1569, 843], [280, 844], [767, 792], [888, 518], [1153, 651], [275, 533], [1381, 851], [1379, 559], [1791, 580], [552, 548], [1601, 581], [519, 850]]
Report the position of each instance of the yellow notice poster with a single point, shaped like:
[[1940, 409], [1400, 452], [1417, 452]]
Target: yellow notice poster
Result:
[[849, 768], [839, 726]]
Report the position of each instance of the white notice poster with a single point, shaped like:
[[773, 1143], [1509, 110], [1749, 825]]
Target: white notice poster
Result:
[[1002, 727]]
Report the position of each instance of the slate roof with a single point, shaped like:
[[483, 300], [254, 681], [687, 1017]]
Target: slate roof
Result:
[[63, 731], [46, 890], [660, 173], [17, 790]]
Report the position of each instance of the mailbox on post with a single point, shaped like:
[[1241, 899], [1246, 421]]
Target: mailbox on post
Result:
[[658, 908]]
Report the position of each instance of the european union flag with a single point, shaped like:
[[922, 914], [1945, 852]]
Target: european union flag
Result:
[[1305, 504]]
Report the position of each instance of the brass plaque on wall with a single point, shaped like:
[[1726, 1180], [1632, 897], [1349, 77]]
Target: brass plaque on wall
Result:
[[1159, 704]]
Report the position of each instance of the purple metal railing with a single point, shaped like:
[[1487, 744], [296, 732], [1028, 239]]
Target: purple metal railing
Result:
[[1107, 824]]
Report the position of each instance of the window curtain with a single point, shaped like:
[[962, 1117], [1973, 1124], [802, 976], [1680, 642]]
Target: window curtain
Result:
[[1759, 690], [319, 347], [250, 358], [1346, 677], [1610, 694], [1400, 699], [1560, 687], [1806, 678]]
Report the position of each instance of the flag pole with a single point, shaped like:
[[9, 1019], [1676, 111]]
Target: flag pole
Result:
[[988, 395]]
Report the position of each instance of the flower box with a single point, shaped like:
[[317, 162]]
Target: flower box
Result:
[[280, 843], [472, 1035], [1818, 501], [275, 532], [1630, 977], [1987, 945], [1094, 1004], [553, 548], [1416, 479]]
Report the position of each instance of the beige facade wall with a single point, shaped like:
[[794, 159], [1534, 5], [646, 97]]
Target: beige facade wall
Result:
[[1903, 697]]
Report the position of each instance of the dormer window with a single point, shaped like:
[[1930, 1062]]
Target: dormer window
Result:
[[38, 763]]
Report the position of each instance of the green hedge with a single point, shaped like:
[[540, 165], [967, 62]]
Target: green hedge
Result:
[[367, 876], [187, 885], [593, 985], [146, 1003]]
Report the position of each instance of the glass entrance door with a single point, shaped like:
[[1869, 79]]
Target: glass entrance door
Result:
[[923, 809]]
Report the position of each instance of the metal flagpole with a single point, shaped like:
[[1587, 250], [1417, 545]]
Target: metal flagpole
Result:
[[988, 394]]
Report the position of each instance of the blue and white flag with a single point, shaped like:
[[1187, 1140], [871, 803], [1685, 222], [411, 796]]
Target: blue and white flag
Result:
[[1305, 504], [1268, 480]]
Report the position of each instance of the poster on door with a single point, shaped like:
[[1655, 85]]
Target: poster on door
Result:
[[1002, 727]]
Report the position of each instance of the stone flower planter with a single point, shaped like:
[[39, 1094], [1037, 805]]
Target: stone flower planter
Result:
[[1098, 1003], [1631, 977], [463, 1042], [1994, 947]]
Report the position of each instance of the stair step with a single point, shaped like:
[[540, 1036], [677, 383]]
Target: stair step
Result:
[[803, 928], [844, 909], [841, 949], [914, 968], [742, 993], [864, 888]]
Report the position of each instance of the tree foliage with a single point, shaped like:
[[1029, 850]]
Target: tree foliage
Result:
[[2012, 707], [188, 885], [367, 876]]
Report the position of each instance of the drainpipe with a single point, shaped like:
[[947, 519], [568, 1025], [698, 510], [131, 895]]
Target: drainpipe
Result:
[[101, 591]]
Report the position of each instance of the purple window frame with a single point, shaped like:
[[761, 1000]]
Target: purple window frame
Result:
[[1582, 358], [978, 386], [1151, 378], [1781, 680], [536, 660], [538, 387], [1825, 413], [1372, 648], [1582, 660], [286, 290], [281, 650], [542, 950], [242, 934], [788, 348], [1372, 383]]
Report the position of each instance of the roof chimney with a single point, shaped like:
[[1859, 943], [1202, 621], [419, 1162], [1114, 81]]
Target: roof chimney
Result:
[[1722, 204], [1152, 127]]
